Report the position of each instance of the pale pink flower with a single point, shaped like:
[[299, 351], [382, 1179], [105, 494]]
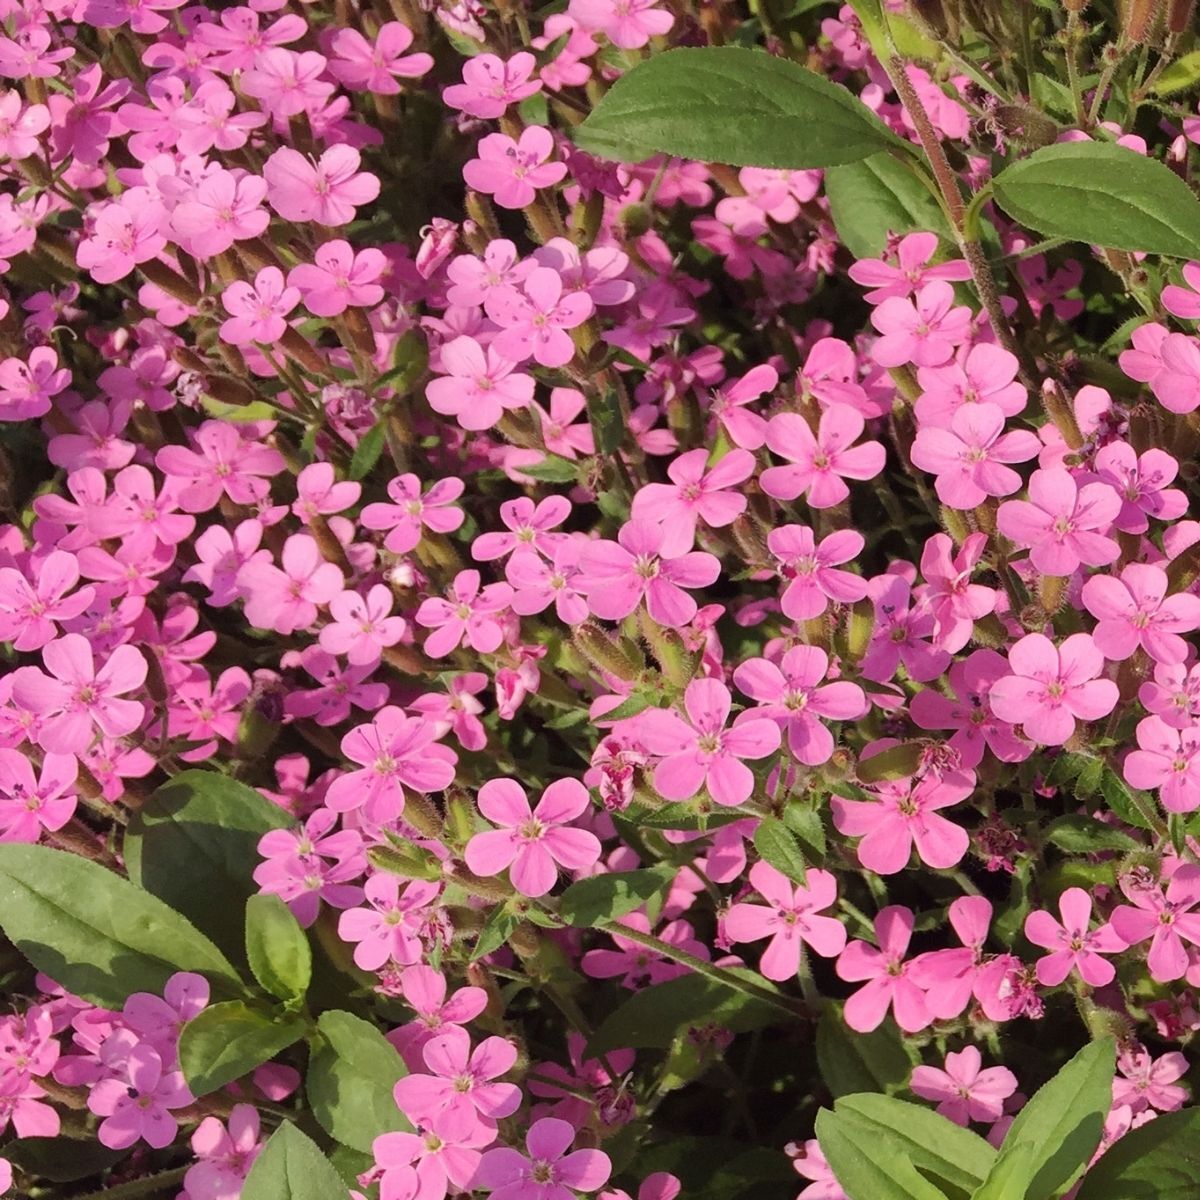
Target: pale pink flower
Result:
[[410, 511], [953, 600], [389, 928], [888, 977], [258, 311], [629, 24], [224, 1152], [121, 234], [1072, 945], [985, 376], [512, 171], [911, 272], [30, 804], [363, 67], [491, 84], [1144, 1082], [810, 570], [362, 626], [339, 277], [287, 83], [136, 1102], [441, 1157], [1142, 481], [539, 583], [534, 320], [1134, 610], [223, 208], [530, 527], [923, 331], [729, 404], [477, 386], [28, 384], [965, 1092], [469, 613], [286, 598], [21, 125], [823, 462], [1166, 921], [550, 1170], [1184, 301], [326, 191], [1173, 694], [424, 989], [1167, 759], [29, 610], [223, 462], [949, 976]]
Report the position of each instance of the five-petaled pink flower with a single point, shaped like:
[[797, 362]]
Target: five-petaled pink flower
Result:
[[923, 331], [534, 319], [820, 463], [511, 172], [1072, 945], [811, 569], [1166, 921], [365, 67], [1167, 759], [888, 977], [410, 510], [532, 844], [29, 609], [549, 1171], [339, 277], [469, 612], [490, 84], [965, 1092], [389, 930], [326, 191], [791, 918], [258, 311], [1135, 610]]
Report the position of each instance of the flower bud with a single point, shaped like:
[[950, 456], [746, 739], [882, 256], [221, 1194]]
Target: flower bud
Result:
[[603, 653]]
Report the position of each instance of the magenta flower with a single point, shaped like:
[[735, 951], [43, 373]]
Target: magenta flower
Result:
[[459, 1091], [550, 1170], [791, 918], [224, 1155], [888, 977], [1062, 523], [424, 989], [362, 626], [470, 613], [704, 750], [985, 376], [729, 404], [491, 84], [1072, 945], [906, 813], [900, 634], [258, 312], [339, 277], [77, 699], [326, 191], [530, 527], [1165, 921], [965, 1092], [534, 320], [410, 510], [29, 610], [538, 584], [695, 493], [478, 386], [122, 234], [1167, 759], [794, 694], [1051, 687], [823, 462], [440, 1158], [923, 331], [532, 845], [1135, 610], [810, 570], [390, 929], [221, 463], [511, 172], [223, 208], [136, 1103], [28, 384], [286, 598], [953, 600], [968, 458], [1143, 1082], [949, 976], [363, 67], [911, 272], [615, 576], [30, 804]]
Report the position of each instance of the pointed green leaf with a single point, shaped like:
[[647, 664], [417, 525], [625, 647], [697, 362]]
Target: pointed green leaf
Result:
[[292, 1167], [860, 1062], [1157, 1161], [607, 897], [777, 846], [227, 1041], [869, 1170], [277, 948]]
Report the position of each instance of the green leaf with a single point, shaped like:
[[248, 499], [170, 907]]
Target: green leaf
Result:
[[277, 948], [1120, 798], [1057, 1132], [1079, 834], [1104, 194], [291, 1167], [194, 844], [409, 862], [350, 1081], [729, 104], [95, 933], [552, 470], [896, 762], [953, 1157], [1182, 74], [1157, 1161], [805, 823], [496, 929], [878, 196], [608, 426], [777, 846], [227, 1041], [607, 897], [367, 452], [861, 1062], [870, 1170], [655, 1016]]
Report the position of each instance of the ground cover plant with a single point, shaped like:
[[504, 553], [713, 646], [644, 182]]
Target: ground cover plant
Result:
[[599, 599]]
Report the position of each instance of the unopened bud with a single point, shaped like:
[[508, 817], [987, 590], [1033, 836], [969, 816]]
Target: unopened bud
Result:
[[603, 653]]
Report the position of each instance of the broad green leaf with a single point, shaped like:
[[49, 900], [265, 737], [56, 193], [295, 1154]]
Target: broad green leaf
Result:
[[860, 1062], [777, 846], [292, 1167], [896, 762], [227, 1041], [277, 948], [1157, 1161], [1104, 194], [655, 1016], [952, 1157], [350, 1080], [552, 469], [194, 844], [607, 897], [95, 933], [729, 104], [869, 1169], [1079, 834], [878, 196], [1056, 1133]]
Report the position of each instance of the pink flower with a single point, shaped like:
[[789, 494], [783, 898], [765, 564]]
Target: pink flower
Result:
[[490, 84], [76, 699], [1173, 695], [30, 804], [954, 601], [985, 376], [808, 1160], [136, 1103], [964, 1091], [696, 492], [257, 312], [1165, 921], [615, 576], [318, 492], [443, 1157], [530, 528], [459, 1091], [1051, 687], [810, 570], [478, 386], [549, 1172], [629, 24], [21, 125], [1142, 482], [729, 405], [889, 980], [532, 844], [339, 277], [27, 385], [286, 598], [28, 611], [923, 331], [791, 919], [534, 321], [1167, 759], [539, 583], [906, 813], [223, 208], [1072, 946], [409, 511], [911, 272], [899, 634], [701, 751], [469, 613], [511, 172], [390, 929], [949, 976], [794, 694], [1135, 610], [635, 965], [1062, 523], [424, 989], [221, 463], [121, 234], [821, 463], [1145, 1083], [968, 458], [224, 1155], [361, 627], [326, 191], [363, 67]]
